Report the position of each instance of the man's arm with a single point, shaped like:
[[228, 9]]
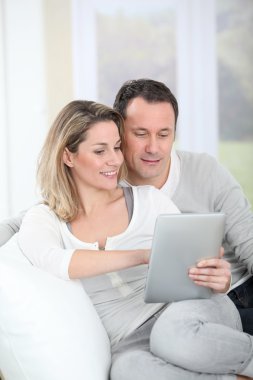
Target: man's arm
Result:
[[9, 227], [207, 185]]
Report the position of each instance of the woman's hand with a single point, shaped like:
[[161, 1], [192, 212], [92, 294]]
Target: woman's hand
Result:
[[212, 273], [145, 255]]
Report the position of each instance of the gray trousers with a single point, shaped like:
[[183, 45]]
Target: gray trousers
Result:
[[196, 339]]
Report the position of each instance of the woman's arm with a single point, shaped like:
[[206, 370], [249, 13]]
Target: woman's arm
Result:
[[86, 263], [41, 240]]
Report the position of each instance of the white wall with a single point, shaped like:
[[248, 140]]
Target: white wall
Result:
[[4, 184], [22, 102]]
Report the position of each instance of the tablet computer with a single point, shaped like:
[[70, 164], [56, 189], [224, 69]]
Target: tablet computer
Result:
[[179, 242]]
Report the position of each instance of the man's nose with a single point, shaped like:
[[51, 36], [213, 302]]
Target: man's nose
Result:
[[152, 145]]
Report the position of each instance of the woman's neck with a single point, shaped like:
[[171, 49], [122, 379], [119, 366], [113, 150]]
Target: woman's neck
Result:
[[102, 214], [91, 200]]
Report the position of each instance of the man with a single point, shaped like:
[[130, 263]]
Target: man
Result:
[[195, 182]]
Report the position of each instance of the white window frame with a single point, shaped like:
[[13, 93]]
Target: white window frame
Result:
[[196, 67]]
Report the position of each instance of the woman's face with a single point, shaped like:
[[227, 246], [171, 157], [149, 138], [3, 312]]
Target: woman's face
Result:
[[98, 159]]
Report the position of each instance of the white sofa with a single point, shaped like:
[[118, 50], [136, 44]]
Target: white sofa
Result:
[[49, 329]]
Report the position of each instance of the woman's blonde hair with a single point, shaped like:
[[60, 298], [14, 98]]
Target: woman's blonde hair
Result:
[[69, 129]]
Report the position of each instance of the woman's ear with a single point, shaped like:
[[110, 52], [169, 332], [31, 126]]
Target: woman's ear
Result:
[[68, 158]]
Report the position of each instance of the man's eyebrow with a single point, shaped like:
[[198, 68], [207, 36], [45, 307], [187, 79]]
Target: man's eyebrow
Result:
[[135, 127], [146, 129], [140, 128], [166, 129]]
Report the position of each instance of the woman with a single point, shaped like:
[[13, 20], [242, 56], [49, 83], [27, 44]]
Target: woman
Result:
[[85, 227], [90, 228]]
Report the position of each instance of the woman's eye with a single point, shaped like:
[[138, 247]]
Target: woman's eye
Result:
[[117, 148], [99, 151]]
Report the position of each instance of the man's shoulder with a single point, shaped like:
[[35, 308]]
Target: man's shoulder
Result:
[[202, 175], [195, 156], [196, 161]]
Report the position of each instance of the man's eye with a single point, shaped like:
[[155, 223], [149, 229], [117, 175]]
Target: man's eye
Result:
[[140, 134], [163, 135]]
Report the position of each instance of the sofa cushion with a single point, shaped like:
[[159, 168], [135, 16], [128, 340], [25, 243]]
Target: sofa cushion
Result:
[[49, 329]]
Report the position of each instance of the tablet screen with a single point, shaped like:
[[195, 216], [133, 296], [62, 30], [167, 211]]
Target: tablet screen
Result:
[[179, 242]]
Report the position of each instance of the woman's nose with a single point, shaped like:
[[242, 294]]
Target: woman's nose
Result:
[[116, 158]]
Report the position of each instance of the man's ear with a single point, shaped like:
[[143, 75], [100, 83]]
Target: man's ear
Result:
[[67, 158]]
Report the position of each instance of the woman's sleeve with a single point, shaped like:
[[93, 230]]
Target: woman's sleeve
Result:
[[40, 240]]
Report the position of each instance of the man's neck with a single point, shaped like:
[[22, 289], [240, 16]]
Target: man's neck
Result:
[[157, 182]]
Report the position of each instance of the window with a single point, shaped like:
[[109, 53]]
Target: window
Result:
[[235, 79]]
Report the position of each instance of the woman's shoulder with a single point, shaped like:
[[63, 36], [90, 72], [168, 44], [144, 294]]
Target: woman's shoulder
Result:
[[40, 210]]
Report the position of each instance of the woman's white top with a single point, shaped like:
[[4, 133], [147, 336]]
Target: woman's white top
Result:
[[118, 296]]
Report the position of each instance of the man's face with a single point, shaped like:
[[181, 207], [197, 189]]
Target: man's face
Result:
[[149, 137]]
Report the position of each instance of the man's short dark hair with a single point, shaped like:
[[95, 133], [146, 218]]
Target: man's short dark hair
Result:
[[150, 90]]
